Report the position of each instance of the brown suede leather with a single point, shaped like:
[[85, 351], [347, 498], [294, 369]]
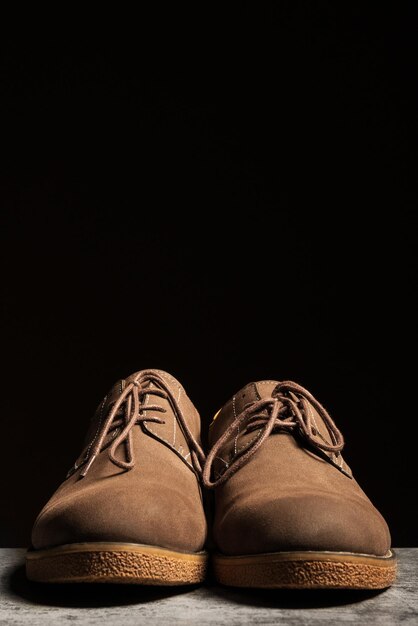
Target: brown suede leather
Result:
[[145, 489], [289, 494]]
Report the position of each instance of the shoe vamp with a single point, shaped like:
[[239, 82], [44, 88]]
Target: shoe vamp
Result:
[[282, 467], [157, 501]]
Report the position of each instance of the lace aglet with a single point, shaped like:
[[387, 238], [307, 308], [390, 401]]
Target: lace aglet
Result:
[[87, 466]]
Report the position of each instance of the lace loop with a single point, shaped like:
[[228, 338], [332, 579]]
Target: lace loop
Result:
[[131, 399], [287, 409]]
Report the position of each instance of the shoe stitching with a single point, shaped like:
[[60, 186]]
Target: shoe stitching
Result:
[[85, 455], [334, 456], [175, 421], [247, 443], [267, 382], [167, 375], [238, 431], [179, 449], [98, 426]]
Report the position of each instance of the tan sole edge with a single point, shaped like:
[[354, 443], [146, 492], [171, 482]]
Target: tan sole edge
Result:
[[306, 570], [108, 562]]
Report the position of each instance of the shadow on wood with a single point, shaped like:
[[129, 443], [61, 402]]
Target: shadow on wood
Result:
[[293, 598], [87, 596]]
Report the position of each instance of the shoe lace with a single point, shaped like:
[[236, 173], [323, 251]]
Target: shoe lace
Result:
[[128, 411], [287, 409]]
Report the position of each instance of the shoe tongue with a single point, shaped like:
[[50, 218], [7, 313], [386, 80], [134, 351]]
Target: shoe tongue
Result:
[[247, 395], [251, 393], [265, 388], [116, 391]]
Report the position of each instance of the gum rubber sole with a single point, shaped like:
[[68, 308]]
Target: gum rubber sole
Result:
[[108, 562], [306, 570]]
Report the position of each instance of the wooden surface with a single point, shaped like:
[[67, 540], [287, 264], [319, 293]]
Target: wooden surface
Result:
[[22, 602]]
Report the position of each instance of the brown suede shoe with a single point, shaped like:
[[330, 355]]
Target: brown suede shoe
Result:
[[288, 512], [130, 510]]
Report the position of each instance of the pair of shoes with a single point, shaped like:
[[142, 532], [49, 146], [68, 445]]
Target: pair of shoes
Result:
[[287, 510]]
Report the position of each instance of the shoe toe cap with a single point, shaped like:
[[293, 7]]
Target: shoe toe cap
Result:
[[309, 522], [165, 518]]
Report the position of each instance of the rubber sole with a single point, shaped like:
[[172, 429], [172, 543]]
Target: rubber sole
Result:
[[107, 562], [306, 570]]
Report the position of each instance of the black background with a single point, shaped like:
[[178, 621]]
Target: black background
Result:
[[287, 133]]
